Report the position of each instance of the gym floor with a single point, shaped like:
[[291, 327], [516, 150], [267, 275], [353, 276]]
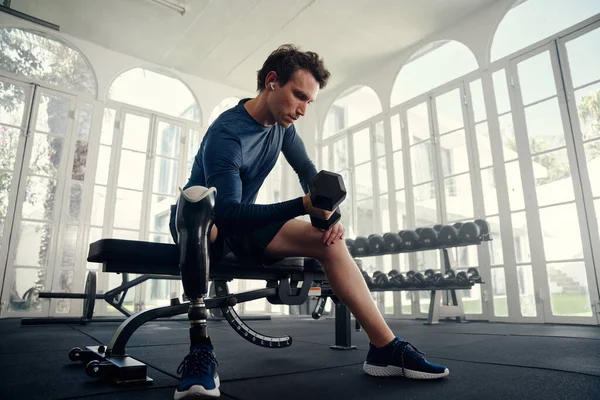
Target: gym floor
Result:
[[486, 361]]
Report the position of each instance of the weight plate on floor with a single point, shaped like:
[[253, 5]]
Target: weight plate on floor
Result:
[[90, 301]]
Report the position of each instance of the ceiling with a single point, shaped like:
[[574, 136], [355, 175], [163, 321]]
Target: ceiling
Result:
[[228, 40]]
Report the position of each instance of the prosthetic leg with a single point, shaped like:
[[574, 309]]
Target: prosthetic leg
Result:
[[194, 220]]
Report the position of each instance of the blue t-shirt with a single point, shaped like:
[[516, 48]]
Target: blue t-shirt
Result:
[[236, 155]]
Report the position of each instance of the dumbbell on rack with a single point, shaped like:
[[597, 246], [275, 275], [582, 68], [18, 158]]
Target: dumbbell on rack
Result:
[[376, 244], [446, 279], [428, 237], [380, 280], [415, 279], [361, 246], [471, 276], [397, 280]]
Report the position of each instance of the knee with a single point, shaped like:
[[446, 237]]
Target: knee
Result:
[[334, 251]]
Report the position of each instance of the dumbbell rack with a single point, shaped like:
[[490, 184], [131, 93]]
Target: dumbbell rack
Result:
[[437, 310]]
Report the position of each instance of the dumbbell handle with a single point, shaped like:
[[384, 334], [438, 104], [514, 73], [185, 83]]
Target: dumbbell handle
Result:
[[319, 307], [50, 295]]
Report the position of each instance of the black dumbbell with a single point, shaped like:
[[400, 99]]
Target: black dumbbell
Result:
[[397, 280], [350, 246], [367, 278], [472, 275], [410, 239], [446, 279], [437, 228], [380, 280], [415, 279], [428, 237], [327, 191], [429, 274], [361, 246], [376, 244], [469, 232], [448, 235], [392, 242], [484, 228]]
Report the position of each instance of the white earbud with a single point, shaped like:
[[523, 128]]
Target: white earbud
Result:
[[272, 86]]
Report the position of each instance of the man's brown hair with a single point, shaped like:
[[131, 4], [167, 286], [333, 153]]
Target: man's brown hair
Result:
[[288, 59]]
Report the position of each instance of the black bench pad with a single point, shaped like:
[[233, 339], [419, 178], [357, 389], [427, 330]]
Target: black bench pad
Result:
[[133, 256]]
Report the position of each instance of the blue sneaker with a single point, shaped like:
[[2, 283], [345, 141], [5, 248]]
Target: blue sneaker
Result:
[[199, 378], [400, 358]]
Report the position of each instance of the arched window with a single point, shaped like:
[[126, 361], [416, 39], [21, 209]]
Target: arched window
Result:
[[432, 66], [224, 105], [49, 60], [528, 22], [352, 107], [155, 91]]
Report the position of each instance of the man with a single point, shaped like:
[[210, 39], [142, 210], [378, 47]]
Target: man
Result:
[[237, 153]]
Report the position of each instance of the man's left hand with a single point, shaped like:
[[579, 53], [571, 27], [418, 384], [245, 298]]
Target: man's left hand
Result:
[[335, 233]]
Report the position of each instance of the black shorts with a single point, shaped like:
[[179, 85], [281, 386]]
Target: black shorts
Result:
[[249, 247]]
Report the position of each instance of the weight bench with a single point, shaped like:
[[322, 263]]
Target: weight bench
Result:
[[137, 257]]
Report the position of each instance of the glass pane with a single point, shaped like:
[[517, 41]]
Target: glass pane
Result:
[[515, 186], [526, 291], [406, 298], [25, 281], [362, 146], [5, 182], [569, 291], [97, 217], [108, 126], [40, 197], [165, 176], [128, 209], [65, 285], [560, 231], [69, 243], [398, 170], [379, 139], [168, 139], [401, 209], [382, 175], [592, 151], [421, 161], [1, 232], [125, 234], [418, 123], [79, 160], [324, 158], [158, 238], [490, 195], [425, 204], [544, 126], [499, 292], [365, 223], [12, 105], [160, 213], [484, 147], [477, 100], [553, 182], [132, 170], [103, 166], [495, 245], [84, 125], [501, 91], [584, 63], [454, 153], [466, 256], [33, 244], [429, 258], [75, 199], [507, 133], [449, 111], [135, 132], [9, 142], [396, 133], [459, 197], [521, 237], [340, 155], [155, 91], [536, 78], [46, 155], [363, 181], [384, 210], [471, 299], [194, 141], [53, 114], [587, 109]]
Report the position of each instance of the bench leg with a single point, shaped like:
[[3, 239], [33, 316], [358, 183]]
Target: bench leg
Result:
[[343, 334]]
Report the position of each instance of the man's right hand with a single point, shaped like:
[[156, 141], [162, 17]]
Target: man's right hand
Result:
[[314, 211]]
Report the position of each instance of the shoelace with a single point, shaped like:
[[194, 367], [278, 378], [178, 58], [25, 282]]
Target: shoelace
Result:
[[405, 346], [198, 361]]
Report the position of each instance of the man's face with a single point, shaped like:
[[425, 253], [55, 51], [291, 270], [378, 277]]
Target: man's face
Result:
[[289, 102]]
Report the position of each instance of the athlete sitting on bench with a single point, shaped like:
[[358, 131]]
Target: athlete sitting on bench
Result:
[[237, 153]]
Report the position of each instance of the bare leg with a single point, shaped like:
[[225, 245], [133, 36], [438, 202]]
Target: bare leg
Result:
[[300, 239]]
